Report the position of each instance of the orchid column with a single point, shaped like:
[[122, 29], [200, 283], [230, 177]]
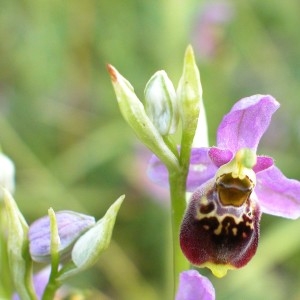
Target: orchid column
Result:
[[154, 125]]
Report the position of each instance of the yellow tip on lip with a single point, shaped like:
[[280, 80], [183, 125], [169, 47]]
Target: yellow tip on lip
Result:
[[218, 270]]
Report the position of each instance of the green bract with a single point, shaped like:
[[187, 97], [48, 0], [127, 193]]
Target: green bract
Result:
[[189, 94]]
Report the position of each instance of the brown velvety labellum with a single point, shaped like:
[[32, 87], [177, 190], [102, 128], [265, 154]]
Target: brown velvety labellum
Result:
[[217, 233]]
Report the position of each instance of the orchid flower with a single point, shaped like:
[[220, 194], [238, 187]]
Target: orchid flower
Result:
[[232, 186]]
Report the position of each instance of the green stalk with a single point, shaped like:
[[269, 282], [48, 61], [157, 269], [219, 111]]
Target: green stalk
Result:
[[177, 181]]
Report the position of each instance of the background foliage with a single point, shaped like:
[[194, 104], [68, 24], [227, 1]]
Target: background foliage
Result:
[[60, 123]]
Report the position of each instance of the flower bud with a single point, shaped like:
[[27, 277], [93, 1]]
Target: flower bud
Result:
[[160, 103], [71, 225]]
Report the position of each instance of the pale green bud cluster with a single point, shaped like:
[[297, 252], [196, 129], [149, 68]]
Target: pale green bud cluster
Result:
[[69, 241], [165, 108]]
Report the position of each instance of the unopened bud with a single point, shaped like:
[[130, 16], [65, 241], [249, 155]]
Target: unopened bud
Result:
[[71, 225], [160, 103]]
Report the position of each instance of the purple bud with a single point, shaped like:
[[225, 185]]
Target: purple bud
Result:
[[71, 225]]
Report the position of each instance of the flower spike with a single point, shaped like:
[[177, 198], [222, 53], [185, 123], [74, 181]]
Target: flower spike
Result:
[[134, 113]]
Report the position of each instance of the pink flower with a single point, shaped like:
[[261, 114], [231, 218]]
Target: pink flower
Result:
[[220, 229]]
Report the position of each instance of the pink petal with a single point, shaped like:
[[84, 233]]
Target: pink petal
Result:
[[220, 156], [193, 286], [263, 162], [278, 195], [201, 169], [245, 124], [158, 172]]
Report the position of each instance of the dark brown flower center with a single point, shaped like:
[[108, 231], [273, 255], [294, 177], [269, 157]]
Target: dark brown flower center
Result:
[[233, 191]]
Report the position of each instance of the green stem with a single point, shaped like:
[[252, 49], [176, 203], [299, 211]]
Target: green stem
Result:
[[185, 149], [177, 181], [51, 289], [171, 145]]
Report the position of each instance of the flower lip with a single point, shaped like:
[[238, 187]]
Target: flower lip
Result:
[[233, 191], [220, 237]]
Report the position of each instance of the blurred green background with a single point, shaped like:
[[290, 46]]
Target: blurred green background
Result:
[[60, 123]]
